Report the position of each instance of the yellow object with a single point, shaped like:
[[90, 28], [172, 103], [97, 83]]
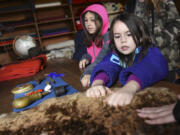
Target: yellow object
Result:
[[120, 7], [22, 89], [27, 100]]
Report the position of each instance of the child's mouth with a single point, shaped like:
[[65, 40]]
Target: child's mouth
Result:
[[89, 29], [124, 48]]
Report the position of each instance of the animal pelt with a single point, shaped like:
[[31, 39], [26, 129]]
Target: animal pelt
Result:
[[78, 115]]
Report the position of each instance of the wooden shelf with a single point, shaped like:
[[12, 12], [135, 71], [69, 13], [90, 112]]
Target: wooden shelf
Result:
[[57, 35], [14, 10], [43, 20], [62, 5], [55, 20]]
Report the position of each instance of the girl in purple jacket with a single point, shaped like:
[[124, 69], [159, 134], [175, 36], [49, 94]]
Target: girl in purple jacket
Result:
[[134, 60]]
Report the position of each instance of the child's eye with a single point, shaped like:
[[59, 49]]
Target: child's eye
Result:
[[85, 20], [129, 34], [116, 36], [93, 20]]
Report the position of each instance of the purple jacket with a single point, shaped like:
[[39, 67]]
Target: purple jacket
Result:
[[151, 69]]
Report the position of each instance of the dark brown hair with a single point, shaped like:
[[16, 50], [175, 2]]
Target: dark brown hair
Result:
[[97, 37], [140, 35]]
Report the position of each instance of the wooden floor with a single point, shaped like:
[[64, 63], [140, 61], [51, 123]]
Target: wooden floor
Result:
[[71, 75]]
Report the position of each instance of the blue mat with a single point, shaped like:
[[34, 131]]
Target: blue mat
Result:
[[58, 82]]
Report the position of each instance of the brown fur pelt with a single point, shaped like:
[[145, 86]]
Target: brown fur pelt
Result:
[[78, 115]]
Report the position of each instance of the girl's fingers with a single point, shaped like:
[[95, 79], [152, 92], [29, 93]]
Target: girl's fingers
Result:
[[111, 100], [108, 90], [88, 93], [83, 82], [97, 91], [102, 91], [119, 99], [82, 64], [86, 62]]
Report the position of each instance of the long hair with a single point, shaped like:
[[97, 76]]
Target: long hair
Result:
[[97, 37], [140, 35]]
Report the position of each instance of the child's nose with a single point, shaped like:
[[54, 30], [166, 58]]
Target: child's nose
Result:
[[88, 23], [123, 39]]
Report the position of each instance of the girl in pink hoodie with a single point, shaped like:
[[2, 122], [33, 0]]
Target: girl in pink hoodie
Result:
[[96, 39]]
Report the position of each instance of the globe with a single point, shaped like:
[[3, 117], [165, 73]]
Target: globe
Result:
[[22, 44]]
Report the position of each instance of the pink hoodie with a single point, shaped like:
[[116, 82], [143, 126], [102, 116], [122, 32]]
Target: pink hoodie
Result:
[[101, 11]]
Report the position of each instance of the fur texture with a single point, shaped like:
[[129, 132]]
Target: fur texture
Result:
[[78, 115]]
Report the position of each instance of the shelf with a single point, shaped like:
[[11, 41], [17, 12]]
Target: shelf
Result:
[[54, 40], [14, 6], [48, 23], [19, 26], [57, 35], [9, 42], [56, 19], [3, 11], [62, 5], [50, 19], [24, 25]]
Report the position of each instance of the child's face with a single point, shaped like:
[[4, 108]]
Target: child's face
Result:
[[90, 22], [123, 39]]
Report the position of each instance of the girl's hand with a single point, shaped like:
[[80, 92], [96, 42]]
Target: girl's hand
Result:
[[83, 63], [85, 81], [97, 89], [124, 95], [121, 97]]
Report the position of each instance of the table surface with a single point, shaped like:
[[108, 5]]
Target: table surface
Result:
[[71, 75]]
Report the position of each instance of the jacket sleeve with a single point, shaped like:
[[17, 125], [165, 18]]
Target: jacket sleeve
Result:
[[176, 111], [104, 51], [110, 68], [86, 56], [151, 69]]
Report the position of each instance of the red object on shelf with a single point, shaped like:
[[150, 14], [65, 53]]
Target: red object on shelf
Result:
[[78, 1], [93, 0], [3, 43], [78, 25]]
